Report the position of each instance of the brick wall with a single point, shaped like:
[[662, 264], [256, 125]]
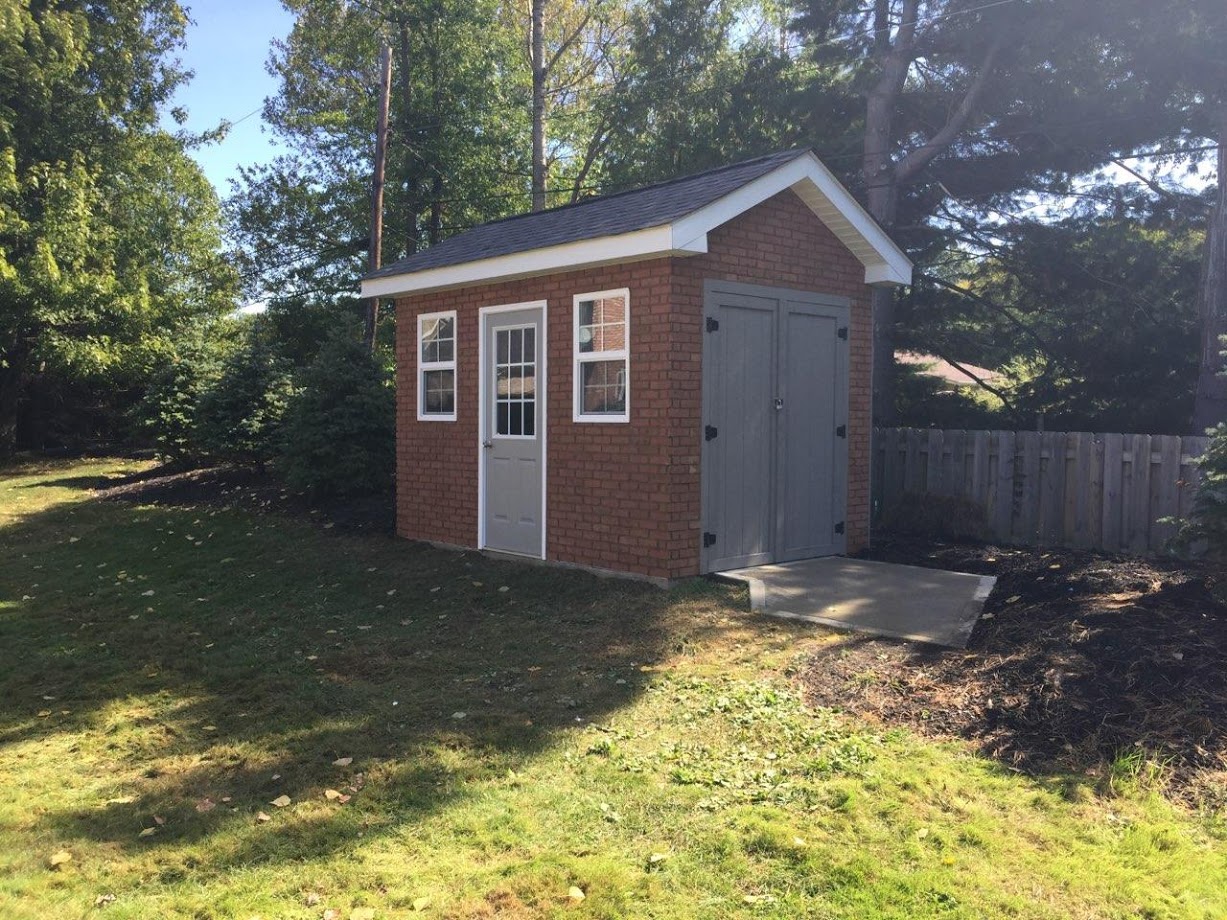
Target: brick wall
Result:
[[624, 496]]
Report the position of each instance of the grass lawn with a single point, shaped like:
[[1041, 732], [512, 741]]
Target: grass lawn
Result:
[[466, 738]]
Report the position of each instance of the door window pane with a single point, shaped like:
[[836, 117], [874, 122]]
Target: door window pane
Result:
[[515, 382]]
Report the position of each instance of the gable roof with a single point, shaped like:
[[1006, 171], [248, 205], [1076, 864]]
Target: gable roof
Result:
[[668, 218]]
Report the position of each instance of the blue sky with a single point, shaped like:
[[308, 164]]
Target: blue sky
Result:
[[227, 47]]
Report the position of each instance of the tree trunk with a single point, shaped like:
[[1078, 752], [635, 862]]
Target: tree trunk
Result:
[[538, 56], [11, 377], [1210, 402], [881, 194]]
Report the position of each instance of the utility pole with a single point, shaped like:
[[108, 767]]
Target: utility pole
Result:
[[375, 258], [537, 52]]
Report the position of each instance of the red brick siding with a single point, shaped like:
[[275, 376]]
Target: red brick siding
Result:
[[607, 483], [624, 496]]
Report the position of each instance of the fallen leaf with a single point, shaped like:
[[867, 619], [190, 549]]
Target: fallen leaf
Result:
[[311, 899], [342, 761], [362, 913], [922, 833], [576, 893], [121, 800], [205, 804], [103, 900], [759, 899], [59, 859], [281, 801], [43, 713], [159, 820], [147, 832], [332, 914], [333, 796], [459, 715], [261, 817], [420, 904], [1013, 599]]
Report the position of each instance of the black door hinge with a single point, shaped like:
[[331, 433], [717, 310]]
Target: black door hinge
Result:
[[842, 332], [710, 432], [839, 528], [841, 431], [709, 539], [712, 324]]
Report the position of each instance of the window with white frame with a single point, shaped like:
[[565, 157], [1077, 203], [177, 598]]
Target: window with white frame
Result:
[[437, 367], [602, 357]]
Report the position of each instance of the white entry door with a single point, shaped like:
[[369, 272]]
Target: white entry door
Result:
[[513, 430]]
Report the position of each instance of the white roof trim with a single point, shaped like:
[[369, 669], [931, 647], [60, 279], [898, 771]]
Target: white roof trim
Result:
[[885, 263]]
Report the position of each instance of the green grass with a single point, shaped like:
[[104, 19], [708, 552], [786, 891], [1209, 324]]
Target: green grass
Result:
[[515, 732]]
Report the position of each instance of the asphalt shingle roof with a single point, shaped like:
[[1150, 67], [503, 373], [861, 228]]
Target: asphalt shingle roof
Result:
[[608, 215]]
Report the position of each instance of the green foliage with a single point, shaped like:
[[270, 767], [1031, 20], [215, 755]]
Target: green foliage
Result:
[[238, 417], [1207, 525], [169, 413], [1091, 319], [109, 232], [339, 431]]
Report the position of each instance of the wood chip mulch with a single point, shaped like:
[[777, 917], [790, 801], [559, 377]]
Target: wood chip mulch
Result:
[[1079, 659]]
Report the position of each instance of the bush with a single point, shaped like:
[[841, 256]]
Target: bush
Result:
[[339, 436], [1206, 527], [169, 413], [239, 416]]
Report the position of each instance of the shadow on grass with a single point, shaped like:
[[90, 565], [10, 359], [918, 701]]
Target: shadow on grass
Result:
[[219, 660]]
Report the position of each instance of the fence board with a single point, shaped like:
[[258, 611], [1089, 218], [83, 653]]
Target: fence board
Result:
[[1113, 479], [1076, 489], [1137, 501]]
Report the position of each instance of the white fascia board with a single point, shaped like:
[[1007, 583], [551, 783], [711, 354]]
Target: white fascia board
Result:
[[806, 174], [651, 243]]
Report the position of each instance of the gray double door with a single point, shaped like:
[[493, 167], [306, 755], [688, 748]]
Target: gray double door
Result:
[[775, 415]]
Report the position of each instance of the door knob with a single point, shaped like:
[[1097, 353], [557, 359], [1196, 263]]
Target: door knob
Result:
[[487, 444], [779, 403]]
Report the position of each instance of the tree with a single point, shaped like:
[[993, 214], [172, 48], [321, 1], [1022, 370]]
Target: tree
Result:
[[457, 143], [978, 105], [109, 234], [1090, 318]]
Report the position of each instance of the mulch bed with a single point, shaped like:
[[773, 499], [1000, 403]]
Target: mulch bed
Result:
[[1079, 659], [250, 490]]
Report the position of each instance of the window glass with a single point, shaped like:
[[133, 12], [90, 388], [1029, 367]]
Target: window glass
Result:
[[437, 367], [515, 382], [602, 357]]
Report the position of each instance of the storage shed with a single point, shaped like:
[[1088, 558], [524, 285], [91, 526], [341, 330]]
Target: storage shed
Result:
[[663, 382]]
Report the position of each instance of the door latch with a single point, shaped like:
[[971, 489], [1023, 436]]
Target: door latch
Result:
[[488, 445], [779, 403]]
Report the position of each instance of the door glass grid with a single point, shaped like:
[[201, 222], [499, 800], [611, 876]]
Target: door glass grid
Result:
[[515, 382]]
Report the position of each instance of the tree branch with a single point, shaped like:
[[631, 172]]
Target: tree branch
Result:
[[568, 42], [923, 155]]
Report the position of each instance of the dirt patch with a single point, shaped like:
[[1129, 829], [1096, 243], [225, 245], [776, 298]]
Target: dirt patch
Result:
[[251, 490], [1079, 661]]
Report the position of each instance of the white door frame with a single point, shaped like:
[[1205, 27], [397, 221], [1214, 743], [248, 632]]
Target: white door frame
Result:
[[484, 315]]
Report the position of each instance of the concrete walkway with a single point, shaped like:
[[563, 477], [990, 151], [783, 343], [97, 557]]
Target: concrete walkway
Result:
[[901, 601]]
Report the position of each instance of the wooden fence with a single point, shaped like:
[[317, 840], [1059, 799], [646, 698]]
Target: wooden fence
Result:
[[1048, 488]]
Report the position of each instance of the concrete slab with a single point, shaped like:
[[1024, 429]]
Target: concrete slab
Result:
[[880, 598]]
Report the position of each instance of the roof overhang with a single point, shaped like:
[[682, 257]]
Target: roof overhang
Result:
[[885, 263]]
